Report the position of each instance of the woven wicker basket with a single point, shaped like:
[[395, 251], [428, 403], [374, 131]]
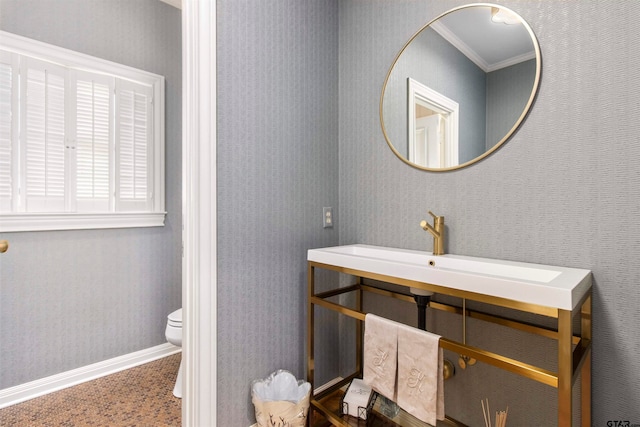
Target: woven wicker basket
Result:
[[281, 413]]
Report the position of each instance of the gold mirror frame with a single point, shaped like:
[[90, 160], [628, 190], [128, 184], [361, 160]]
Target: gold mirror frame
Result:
[[518, 122]]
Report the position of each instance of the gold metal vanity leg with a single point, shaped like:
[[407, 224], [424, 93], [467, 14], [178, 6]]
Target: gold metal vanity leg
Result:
[[310, 323], [585, 373], [565, 368], [359, 336]]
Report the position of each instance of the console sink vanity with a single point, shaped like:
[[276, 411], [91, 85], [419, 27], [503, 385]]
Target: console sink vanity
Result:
[[420, 90], [556, 292]]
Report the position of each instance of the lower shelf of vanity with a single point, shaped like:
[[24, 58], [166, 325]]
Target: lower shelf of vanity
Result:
[[325, 411]]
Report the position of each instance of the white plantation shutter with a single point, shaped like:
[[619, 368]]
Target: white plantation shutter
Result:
[[43, 131], [133, 145], [93, 137], [8, 130], [81, 140]]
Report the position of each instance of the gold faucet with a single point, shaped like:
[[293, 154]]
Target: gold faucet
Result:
[[437, 230]]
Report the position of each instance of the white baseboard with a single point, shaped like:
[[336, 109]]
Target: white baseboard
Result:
[[321, 388], [20, 393]]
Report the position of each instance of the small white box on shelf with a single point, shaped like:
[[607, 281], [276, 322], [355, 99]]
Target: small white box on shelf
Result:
[[358, 399]]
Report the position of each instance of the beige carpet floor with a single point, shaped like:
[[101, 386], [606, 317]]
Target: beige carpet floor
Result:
[[140, 396]]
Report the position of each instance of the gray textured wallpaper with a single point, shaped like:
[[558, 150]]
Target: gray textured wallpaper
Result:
[[563, 191], [508, 91], [277, 168], [72, 298]]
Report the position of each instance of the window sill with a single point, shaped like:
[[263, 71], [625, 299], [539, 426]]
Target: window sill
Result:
[[74, 221]]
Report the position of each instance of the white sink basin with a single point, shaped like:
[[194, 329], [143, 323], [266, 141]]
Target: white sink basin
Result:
[[551, 286]]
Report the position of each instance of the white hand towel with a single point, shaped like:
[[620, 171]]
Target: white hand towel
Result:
[[380, 354], [420, 377]]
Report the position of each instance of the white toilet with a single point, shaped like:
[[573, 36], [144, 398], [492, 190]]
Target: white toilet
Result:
[[174, 336]]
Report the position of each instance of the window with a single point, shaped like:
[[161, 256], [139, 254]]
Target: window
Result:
[[81, 140]]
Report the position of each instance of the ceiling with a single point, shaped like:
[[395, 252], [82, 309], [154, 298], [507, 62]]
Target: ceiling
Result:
[[488, 44], [174, 3]]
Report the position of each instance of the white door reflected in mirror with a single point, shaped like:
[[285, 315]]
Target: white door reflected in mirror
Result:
[[433, 127], [429, 140]]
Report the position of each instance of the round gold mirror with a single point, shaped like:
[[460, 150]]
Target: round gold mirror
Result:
[[460, 87]]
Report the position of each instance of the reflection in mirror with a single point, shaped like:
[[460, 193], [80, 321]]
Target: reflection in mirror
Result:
[[433, 127], [460, 87]]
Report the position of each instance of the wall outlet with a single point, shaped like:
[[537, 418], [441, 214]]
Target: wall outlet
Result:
[[327, 218]]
